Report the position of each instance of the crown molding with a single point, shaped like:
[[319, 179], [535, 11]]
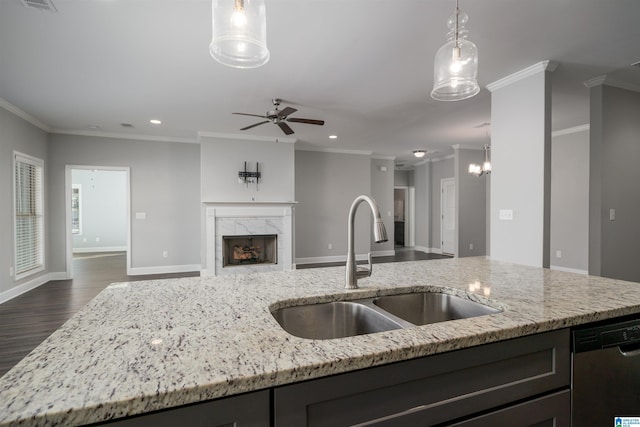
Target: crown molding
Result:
[[609, 81], [116, 135], [376, 157], [335, 150], [522, 74], [24, 115], [568, 131], [221, 135], [466, 147]]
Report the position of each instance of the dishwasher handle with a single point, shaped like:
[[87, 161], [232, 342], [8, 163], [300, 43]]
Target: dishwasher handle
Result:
[[630, 350]]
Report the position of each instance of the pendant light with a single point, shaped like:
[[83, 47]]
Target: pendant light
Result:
[[239, 33], [456, 63], [476, 169]]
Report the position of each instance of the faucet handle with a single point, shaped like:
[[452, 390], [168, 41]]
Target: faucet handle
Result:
[[362, 272]]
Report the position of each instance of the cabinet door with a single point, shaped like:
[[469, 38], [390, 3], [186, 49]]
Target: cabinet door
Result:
[[245, 410], [431, 390], [548, 411]]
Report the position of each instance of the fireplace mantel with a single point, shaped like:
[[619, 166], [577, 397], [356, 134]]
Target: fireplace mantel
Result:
[[247, 218]]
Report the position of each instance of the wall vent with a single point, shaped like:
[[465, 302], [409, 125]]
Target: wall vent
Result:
[[126, 125], [40, 5]]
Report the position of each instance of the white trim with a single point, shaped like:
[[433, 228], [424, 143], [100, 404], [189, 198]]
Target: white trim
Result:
[[466, 147], [422, 249], [221, 135], [115, 135], [376, 157], [435, 251], [376, 254], [568, 270], [328, 259], [163, 269], [522, 74], [439, 159], [67, 191], [606, 80], [567, 131], [61, 275], [99, 249], [334, 150], [24, 115], [24, 287]]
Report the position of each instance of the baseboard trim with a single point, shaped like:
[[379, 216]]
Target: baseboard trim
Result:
[[568, 270], [16, 291], [100, 249], [391, 252], [163, 269], [62, 275], [421, 249], [327, 259]]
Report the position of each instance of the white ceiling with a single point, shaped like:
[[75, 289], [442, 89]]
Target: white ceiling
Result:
[[363, 66]]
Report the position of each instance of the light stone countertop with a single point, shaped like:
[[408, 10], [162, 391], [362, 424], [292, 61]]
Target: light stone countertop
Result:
[[143, 346]]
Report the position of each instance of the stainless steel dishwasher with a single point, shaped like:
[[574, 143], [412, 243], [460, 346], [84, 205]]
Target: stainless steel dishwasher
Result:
[[605, 373]]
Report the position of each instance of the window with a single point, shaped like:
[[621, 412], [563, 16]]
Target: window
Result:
[[29, 217], [76, 209]]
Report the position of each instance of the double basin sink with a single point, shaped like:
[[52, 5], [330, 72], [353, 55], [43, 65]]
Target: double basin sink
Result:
[[341, 319]]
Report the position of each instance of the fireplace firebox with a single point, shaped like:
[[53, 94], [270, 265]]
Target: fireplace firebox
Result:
[[249, 250]]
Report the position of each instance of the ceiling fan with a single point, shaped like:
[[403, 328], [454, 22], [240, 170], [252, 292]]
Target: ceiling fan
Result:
[[279, 117]]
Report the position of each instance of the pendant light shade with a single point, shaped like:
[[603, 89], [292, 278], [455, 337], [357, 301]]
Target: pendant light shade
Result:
[[456, 63], [239, 33]]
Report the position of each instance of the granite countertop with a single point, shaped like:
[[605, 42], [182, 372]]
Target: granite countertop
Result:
[[143, 346]]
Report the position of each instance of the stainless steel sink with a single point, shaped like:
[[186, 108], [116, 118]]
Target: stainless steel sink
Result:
[[431, 307], [333, 320]]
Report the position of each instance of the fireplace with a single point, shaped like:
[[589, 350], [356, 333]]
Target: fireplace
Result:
[[250, 250]]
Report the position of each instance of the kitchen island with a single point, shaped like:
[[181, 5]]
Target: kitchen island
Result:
[[144, 346]]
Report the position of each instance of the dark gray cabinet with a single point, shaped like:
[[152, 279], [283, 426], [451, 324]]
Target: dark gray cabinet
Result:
[[448, 387], [245, 410]]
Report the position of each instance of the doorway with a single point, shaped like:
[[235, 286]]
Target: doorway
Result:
[[403, 215], [448, 215], [97, 213]]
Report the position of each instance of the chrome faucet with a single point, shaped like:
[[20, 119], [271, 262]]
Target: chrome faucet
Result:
[[379, 235]]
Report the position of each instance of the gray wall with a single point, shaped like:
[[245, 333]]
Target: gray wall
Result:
[[422, 181], [222, 159], [471, 204], [382, 192], [403, 178], [440, 169], [326, 185], [19, 135], [520, 180], [165, 184], [103, 207], [570, 200], [615, 129]]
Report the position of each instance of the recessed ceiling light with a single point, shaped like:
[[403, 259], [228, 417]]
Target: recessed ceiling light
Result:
[[155, 121], [333, 136]]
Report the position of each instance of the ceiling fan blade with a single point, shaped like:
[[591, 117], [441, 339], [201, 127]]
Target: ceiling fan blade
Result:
[[254, 125], [285, 128], [307, 121], [286, 112], [252, 115]]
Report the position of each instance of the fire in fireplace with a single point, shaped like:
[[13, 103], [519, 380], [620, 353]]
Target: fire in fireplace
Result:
[[248, 250]]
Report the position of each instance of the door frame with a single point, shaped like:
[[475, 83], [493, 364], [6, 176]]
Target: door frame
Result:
[[409, 214], [67, 190], [443, 182]]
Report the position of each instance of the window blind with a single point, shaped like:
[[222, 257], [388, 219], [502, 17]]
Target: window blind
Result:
[[29, 217]]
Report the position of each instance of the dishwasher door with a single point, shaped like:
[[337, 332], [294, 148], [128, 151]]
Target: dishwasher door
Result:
[[605, 374]]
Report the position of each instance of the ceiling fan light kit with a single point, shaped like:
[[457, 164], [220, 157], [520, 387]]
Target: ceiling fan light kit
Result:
[[478, 170], [239, 33], [280, 118], [456, 63], [419, 153]]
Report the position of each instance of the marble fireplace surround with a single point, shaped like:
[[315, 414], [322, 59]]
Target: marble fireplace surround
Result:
[[241, 219]]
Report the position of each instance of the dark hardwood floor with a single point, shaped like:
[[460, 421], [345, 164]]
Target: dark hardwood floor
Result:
[[28, 319]]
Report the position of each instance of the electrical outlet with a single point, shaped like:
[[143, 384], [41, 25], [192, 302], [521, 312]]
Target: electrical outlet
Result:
[[612, 214], [558, 254], [165, 254], [470, 246], [97, 239], [330, 246]]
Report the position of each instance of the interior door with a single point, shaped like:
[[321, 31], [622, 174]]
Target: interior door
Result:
[[448, 215]]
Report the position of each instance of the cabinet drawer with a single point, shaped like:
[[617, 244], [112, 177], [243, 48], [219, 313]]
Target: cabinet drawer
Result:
[[245, 410], [442, 387]]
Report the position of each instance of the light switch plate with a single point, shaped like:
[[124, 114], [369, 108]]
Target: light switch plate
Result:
[[612, 214], [506, 214], [141, 215]]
